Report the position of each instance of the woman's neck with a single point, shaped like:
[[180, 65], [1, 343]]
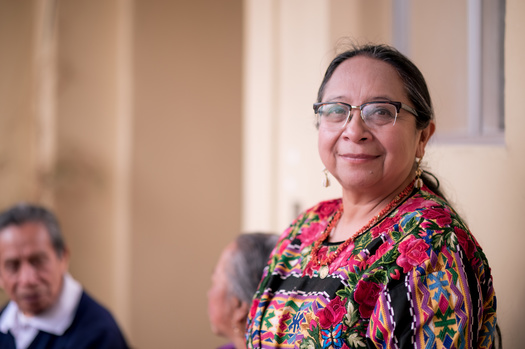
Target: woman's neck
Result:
[[359, 208]]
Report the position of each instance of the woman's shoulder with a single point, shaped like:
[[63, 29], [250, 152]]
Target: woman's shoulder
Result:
[[431, 219], [320, 211], [315, 216], [327, 206], [427, 205]]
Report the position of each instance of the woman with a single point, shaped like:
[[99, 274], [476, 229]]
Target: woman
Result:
[[390, 264], [234, 282]]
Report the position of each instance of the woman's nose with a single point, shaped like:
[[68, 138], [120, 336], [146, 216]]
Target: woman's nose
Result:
[[355, 128]]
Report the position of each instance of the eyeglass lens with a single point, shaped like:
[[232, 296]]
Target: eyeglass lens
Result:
[[335, 115]]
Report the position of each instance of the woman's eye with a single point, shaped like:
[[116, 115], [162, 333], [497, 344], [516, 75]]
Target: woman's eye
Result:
[[383, 112], [337, 110]]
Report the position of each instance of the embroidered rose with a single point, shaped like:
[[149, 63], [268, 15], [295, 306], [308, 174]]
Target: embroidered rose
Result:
[[311, 233], [439, 215], [332, 314], [309, 269], [466, 243], [414, 204], [366, 295], [412, 252], [327, 209], [253, 309], [384, 227], [384, 248], [345, 259]]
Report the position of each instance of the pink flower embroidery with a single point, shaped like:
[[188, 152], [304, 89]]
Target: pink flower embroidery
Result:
[[440, 215], [332, 314], [413, 252], [466, 243], [384, 248], [395, 274], [384, 227], [253, 309], [366, 295], [311, 233], [414, 204], [345, 259], [283, 246], [327, 209]]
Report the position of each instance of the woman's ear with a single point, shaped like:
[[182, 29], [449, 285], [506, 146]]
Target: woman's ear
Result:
[[424, 136]]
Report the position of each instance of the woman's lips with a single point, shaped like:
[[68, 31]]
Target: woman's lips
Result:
[[358, 157]]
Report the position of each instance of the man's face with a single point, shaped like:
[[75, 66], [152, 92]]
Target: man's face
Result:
[[31, 273]]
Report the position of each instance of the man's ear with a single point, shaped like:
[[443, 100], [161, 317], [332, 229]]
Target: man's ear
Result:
[[240, 312], [65, 258]]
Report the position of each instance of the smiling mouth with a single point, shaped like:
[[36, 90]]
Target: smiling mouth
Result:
[[358, 157]]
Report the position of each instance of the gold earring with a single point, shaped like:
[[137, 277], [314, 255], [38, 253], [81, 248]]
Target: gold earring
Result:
[[418, 183], [326, 180]]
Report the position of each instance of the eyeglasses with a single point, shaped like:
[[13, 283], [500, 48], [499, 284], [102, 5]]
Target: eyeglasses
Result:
[[335, 115]]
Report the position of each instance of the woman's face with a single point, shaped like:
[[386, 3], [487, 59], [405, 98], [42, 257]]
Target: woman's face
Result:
[[220, 302], [378, 160]]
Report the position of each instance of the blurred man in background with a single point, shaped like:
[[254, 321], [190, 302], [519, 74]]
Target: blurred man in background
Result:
[[47, 307]]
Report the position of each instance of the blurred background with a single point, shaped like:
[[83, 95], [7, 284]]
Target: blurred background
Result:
[[160, 129]]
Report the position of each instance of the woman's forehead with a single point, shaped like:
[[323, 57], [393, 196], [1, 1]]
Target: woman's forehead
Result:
[[364, 78]]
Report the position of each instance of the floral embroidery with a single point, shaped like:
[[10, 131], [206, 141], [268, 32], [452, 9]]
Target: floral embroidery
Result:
[[352, 308], [439, 214], [309, 234], [413, 252], [415, 204], [356, 263], [384, 227], [332, 314], [253, 309], [366, 295], [283, 246], [466, 243], [381, 251], [327, 210]]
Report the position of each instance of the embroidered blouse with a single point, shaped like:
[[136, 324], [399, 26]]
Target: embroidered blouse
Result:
[[416, 279]]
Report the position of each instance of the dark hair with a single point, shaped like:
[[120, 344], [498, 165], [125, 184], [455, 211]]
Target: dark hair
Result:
[[247, 263], [25, 213], [413, 81]]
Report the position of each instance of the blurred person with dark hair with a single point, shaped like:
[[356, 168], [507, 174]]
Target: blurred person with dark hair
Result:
[[48, 308], [235, 279]]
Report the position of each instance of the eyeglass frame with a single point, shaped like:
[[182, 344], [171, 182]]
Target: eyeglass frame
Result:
[[398, 105]]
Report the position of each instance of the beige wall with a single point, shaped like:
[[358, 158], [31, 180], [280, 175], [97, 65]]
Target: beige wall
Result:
[[186, 170], [484, 181], [17, 91]]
